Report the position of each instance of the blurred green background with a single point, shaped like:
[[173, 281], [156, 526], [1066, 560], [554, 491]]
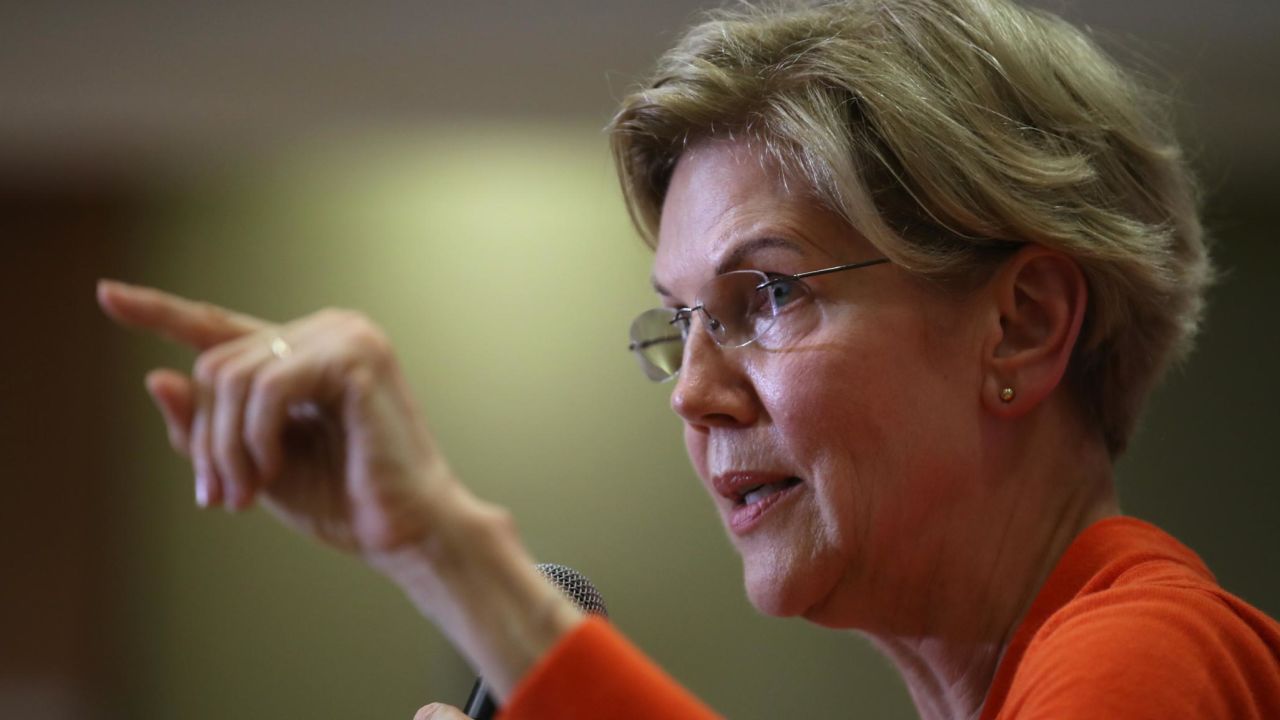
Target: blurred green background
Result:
[[457, 188]]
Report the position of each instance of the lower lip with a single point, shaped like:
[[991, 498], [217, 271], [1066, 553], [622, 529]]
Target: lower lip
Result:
[[744, 518]]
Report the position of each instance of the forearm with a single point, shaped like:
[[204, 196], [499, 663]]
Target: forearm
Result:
[[473, 578]]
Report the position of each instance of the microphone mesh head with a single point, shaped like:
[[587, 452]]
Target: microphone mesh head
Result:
[[576, 586]]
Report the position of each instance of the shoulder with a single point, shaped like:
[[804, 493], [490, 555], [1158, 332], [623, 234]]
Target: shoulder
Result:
[[1156, 643]]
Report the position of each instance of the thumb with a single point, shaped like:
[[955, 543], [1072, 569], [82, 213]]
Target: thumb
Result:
[[439, 711]]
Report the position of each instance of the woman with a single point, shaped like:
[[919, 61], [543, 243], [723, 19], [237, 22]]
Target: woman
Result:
[[920, 264]]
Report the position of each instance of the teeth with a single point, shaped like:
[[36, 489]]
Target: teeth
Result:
[[760, 493]]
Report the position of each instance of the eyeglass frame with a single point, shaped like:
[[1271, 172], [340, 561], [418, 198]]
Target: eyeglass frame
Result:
[[686, 313]]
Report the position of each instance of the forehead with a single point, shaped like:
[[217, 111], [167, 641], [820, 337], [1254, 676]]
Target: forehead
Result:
[[718, 185], [722, 194]]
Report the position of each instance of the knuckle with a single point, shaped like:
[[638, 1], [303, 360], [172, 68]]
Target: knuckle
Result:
[[329, 313], [254, 420], [334, 315], [266, 393], [206, 368], [226, 446], [233, 380], [255, 435], [361, 381], [370, 339], [268, 386], [365, 337], [364, 329]]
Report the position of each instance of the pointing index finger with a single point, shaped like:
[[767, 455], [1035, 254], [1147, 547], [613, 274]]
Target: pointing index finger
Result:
[[197, 324]]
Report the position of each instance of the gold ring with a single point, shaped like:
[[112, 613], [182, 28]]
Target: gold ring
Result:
[[280, 348]]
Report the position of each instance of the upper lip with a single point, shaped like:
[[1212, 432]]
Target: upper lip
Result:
[[737, 483]]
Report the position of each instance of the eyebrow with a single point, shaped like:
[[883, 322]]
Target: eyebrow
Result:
[[734, 259]]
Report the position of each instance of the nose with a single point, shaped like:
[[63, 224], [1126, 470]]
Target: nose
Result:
[[711, 389]]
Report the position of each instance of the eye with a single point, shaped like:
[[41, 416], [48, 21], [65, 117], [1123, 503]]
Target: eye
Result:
[[782, 290]]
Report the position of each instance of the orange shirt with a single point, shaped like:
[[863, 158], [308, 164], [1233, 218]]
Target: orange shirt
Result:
[[594, 673], [1130, 624]]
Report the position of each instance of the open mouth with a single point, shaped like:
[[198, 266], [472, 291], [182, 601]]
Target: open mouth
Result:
[[752, 503], [759, 493]]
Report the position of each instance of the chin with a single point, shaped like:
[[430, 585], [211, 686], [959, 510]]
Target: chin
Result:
[[774, 591]]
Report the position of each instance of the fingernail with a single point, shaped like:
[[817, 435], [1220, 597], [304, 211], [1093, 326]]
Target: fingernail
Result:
[[105, 284], [202, 492]]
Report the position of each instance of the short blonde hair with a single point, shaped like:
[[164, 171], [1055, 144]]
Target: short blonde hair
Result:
[[946, 131]]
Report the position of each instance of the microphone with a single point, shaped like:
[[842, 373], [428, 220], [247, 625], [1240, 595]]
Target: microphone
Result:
[[480, 704]]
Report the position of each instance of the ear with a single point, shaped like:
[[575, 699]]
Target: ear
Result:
[[1038, 302]]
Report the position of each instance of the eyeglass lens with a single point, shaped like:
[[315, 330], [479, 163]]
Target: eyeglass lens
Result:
[[736, 307]]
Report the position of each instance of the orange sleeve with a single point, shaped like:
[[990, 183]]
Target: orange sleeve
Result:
[[595, 673], [1164, 652]]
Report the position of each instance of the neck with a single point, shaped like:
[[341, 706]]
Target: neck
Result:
[[1049, 493]]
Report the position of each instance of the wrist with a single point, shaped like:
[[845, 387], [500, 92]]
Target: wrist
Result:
[[451, 523], [472, 577]]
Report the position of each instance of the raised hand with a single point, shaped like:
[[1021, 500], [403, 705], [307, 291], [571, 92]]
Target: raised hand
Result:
[[312, 416]]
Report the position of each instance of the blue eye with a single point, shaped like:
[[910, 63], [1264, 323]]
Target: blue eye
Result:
[[781, 292]]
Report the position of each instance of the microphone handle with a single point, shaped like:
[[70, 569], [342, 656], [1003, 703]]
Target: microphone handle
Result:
[[480, 704]]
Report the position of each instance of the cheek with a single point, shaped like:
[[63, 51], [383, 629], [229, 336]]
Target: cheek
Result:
[[871, 414], [913, 437], [830, 420], [828, 400]]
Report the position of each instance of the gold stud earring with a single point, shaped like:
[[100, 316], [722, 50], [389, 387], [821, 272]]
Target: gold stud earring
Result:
[[1006, 395]]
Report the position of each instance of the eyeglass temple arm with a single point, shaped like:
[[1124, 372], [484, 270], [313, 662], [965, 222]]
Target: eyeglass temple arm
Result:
[[838, 268], [823, 271], [643, 344]]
